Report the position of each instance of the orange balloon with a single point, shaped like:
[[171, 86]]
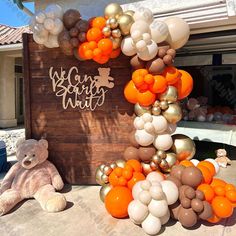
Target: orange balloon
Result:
[[137, 176], [99, 22], [229, 187], [92, 45], [97, 52], [88, 54], [186, 163], [94, 34], [219, 191], [122, 181], [222, 207], [140, 72], [131, 92], [101, 59], [207, 176], [149, 79], [209, 166], [208, 191], [82, 49], [106, 46], [214, 219], [135, 164], [184, 85], [115, 53], [117, 201], [217, 182], [171, 74], [159, 85], [231, 195], [146, 98], [127, 173], [138, 81], [113, 179]]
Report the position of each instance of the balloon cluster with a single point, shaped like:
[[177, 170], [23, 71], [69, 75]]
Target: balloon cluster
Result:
[[47, 25], [151, 199], [74, 33], [191, 205]]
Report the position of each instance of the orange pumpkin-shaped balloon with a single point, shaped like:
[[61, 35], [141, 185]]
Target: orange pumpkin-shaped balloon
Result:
[[159, 85], [118, 200], [131, 92], [171, 74], [146, 98]]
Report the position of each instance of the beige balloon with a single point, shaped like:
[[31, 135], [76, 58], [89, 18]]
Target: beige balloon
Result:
[[170, 95], [173, 114], [179, 32], [104, 190], [113, 10], [183, 147], [125, 22]]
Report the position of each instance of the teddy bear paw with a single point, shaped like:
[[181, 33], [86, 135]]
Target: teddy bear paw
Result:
[[56, 203], [1, 209]]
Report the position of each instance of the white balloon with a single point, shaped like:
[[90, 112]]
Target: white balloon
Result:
[[155, 177], [145, 197], [137, 211], [40, 17], [157, 193], [137, 189], [160, 124], [151, 225], [140, 26], [147, 37], [146, 117], [49, 24], [159, 31], [164, 219], [141, 46], [163, 142], [194, 161], [143, 138], [58, 27], [144, 14], [216, 165], [171, 191], [40, 39], [138, 123], [136, 35], [149, 128], [171, 128], [54, 11], [127, 46], [52, 42], [146, 184], [40, 30], [158, 208], [149, 53]]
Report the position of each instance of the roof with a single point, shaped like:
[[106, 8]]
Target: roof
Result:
[[12, 35]]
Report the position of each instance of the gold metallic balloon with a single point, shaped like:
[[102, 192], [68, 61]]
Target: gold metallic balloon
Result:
[[120, 163], [153, 166], [116, 33], [164, 105], [107, 170], [116, 42], [104, 190], [101, 167], [98, 176], [146, 168], [129, 12], [125, 22], [183, 147], [112, 23], [171, 159], [173, 114], [140, 110], [156, 159], [171, 95], [156, 111], [164, 165], [113, 10], [105, 178], [161, 154], [106, 31], [113, 165]]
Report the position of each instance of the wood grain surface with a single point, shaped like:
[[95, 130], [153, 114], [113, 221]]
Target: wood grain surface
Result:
[[79, 140]]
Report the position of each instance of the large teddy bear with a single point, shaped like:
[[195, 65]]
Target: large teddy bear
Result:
[[33, 176]]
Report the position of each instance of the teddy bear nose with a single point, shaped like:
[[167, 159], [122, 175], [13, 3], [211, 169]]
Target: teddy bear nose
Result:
[[27, 163]]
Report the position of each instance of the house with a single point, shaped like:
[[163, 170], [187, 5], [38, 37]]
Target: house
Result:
[[11, 77]]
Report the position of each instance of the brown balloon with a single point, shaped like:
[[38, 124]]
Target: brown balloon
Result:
[[168, 59], [185, 202], [82, 25], [171, 52], [162, 52], [191, 176], [137, 63], [74, 42], [182, 190], [187, 217], [207, 211], [174, 180], [174, 210], [155, 66], [70, 18], [200, 195], [131, 153], [74, 32], [132, 139], [146, 153], [176, 171], [197, 205], [82, 37], [190, 193]]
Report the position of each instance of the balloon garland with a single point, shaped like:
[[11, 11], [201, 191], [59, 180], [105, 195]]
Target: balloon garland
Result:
[[158, 178]]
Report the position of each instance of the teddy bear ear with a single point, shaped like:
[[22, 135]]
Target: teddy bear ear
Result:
[[44, 143], [19, 142]]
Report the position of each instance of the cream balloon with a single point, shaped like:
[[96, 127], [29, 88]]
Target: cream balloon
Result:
[[179, 32], [149, 128], [171, 191], [49, 24], [40, 30], [163, 142], [158, 208], [52, 41], [143, 138], [159, 31], [160, 124], [146, 117], [54, 11], [58, 27], [149, 53], [137, 189], [157, 193], [136, 35], [141, 46], [164, 219], [141, 26], [127, 46], [195, 161], [145, 197], [138, 123], [40, 39], [137, 211], [154, 177], [151, 225], [39, 17], [144, 14]]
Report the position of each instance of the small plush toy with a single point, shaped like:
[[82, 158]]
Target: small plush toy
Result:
[[222, 158], [33, 176]]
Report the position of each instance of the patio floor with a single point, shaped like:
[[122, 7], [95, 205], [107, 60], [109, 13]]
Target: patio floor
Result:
[[86, 215]]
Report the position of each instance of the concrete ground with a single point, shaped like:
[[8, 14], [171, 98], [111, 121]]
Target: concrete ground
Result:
[[86, 215]]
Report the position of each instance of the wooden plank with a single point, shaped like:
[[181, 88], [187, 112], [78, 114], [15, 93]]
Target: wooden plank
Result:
[[79, 140]]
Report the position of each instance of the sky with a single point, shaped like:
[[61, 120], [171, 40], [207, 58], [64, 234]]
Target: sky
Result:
[[11, 15]]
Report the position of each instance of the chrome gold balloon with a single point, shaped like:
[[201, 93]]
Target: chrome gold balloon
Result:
[[125, 22], [105, 178], [98, 175], [140, 110], [164, 105], [120, 163], [116, 42], [171, 95], [104, 190], [156, 159], [146, 168], [153, 166], [107, 170], [112, 23], [113, 10], [164, 165], [173, 114], [183, 147], [171, 159], [113, 165], [156, 111], [129, 12], [106, 31], [161, 154], [116, 33]]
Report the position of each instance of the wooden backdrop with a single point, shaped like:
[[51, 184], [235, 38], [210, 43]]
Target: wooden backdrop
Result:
[[79, 140]]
